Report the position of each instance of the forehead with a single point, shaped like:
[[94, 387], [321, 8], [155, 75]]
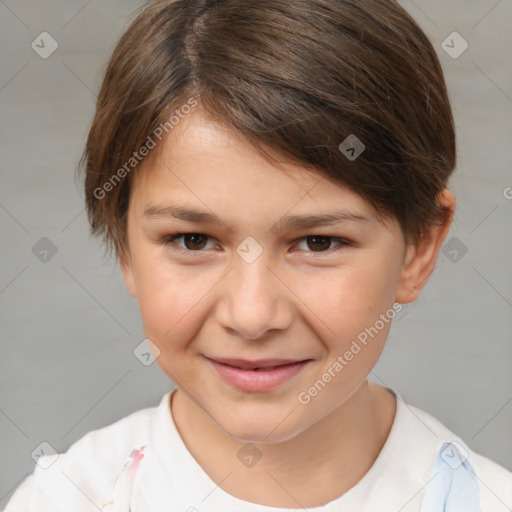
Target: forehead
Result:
[[203, 167], [205, 164]]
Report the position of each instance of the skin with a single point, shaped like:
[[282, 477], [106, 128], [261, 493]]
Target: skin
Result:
[[292, 302]]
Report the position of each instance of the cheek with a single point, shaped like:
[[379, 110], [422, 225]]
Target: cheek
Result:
[[170, 303], [348, 299]]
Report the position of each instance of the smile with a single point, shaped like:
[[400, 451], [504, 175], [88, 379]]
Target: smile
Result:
[[257, 376]]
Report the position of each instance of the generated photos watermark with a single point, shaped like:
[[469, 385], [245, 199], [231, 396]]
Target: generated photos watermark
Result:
[[144, 150], [305, 397]]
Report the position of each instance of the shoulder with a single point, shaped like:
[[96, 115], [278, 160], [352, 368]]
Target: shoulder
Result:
[[494, 481], [83, 478]]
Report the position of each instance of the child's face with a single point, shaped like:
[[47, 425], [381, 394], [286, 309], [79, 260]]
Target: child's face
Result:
[[216, 297]]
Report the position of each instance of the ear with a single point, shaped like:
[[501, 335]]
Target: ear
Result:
[[420, 259], [128, 274]]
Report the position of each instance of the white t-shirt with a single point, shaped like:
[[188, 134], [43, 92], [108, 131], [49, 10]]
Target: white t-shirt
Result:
[[103, 472]]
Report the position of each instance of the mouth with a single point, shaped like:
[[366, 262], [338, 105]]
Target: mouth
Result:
[[260, 364], [258, 375]]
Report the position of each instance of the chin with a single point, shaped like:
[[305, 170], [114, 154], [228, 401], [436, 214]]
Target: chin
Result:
[[257, 429]]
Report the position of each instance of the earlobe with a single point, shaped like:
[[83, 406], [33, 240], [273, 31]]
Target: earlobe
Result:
[[420, 259], [128, 275]]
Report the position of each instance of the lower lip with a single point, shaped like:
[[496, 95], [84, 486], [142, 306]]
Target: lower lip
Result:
[[257, 380]]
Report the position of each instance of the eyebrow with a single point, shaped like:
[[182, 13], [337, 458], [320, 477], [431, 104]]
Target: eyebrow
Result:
[[286, 223]]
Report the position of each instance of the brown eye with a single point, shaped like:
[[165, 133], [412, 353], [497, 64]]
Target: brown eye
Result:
[[319, 243], [191, 242], [194, 241], [322, 245]]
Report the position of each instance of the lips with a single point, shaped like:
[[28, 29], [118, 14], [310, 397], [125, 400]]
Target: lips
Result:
[[260, 364], [257, 376]]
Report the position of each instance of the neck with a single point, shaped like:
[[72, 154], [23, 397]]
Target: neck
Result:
[[334, 453]]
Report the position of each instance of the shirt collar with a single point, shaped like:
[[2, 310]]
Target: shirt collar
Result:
[[170, 478]]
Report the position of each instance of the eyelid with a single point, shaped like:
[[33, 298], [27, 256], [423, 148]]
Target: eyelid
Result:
[[168, 242], [342, 242]]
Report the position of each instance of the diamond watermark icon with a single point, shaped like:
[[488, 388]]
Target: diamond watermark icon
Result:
[[249, 455], [44, 250], [454, 45], [352, 147], [249, 250], [454, 454], [44, 455], [455, 249], [146, 352], [44, 45]]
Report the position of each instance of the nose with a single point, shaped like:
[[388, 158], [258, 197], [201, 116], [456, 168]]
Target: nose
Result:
[[254, 300]]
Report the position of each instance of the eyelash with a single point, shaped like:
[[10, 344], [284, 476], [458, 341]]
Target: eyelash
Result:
[[169, 243]]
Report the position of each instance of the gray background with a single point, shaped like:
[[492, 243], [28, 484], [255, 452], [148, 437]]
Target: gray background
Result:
[[68, 327]]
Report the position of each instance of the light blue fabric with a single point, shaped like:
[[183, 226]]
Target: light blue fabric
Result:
[[453, 485]]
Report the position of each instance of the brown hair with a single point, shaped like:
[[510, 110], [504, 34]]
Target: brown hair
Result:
[[295, 78]]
